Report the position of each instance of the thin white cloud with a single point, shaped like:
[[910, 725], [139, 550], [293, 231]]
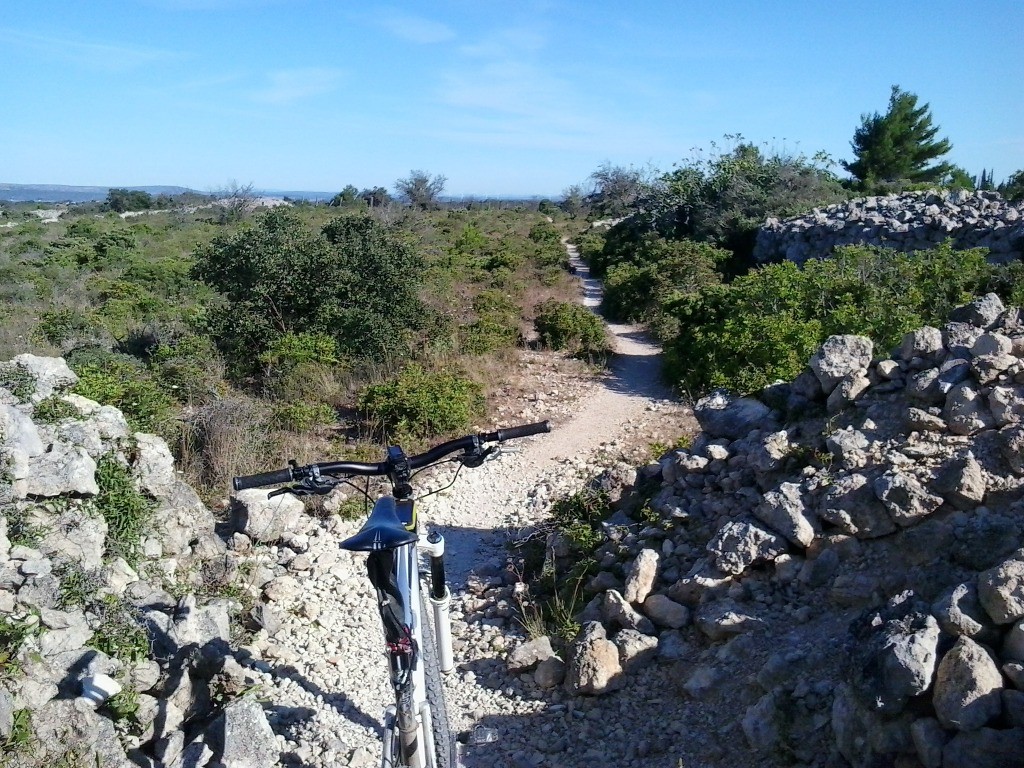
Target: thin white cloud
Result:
[[506, 44], [289, 86], [414, 29], [107, 56], [504, 94]]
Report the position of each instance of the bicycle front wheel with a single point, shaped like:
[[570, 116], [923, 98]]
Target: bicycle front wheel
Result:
[[445, 755]]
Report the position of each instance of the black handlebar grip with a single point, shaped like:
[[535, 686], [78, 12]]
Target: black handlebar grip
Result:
[[524, 431], [264, 478]]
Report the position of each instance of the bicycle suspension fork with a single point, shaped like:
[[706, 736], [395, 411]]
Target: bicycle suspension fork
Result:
[[440, 599]]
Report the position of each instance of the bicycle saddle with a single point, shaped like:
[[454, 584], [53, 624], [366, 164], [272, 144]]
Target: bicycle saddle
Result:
[[382, 530]]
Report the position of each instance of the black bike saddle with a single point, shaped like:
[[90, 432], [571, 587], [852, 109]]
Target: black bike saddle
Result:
[[382, 530]]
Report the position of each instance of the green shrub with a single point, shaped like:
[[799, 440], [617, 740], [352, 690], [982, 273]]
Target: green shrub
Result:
[[765, 325], [60, 327], [591, 244], [293, 349], [302, 416], [497, 324], [128, 387], [352, 280], [662, 270], [17, 380], [54, 409], [470, 241], [189, 367], [579, 516], [571, 327], [128, 513], [422, 403]]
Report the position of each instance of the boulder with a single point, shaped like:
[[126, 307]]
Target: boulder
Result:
[[52, 374], [666, 612], [740, 544], [641, 576], [967, 687], [723, 415], [263, 519], [594, 667], [839, 357], [985, 747], [242, 736], [1001, 589], [903, 497], [851, 504], [528, 655]]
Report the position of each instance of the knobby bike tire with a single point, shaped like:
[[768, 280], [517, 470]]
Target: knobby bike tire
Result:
[[444, 740]]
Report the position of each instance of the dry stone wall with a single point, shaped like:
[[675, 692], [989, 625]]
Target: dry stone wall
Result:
[[839, 562], [907, 222]]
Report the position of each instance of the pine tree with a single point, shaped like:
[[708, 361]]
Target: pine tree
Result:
[[899, 144]]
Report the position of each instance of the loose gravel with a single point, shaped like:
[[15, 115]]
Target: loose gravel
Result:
[[323, 673]]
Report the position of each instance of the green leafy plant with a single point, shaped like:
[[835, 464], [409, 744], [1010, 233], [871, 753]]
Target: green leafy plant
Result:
[[765, 325], [65, 326], [19, 741], [128, 513], [130, 388], [420, 403], [17, 380], [13, 632], [302, 416], [118, 632], [55, 409], [77, 586], [568, 326], [124, 704], [24, 528], [359, 285]]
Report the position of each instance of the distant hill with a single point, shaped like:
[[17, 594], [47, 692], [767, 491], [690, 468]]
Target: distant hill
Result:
[[60, 193]]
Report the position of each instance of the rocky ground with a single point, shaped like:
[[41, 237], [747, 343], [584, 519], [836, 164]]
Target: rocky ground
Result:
[[323, 664], [831, 573]]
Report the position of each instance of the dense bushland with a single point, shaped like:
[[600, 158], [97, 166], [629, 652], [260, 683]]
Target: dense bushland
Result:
[[764, 326], [721, 200], [248, 338]]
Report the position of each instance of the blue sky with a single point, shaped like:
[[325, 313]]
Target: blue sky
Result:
[[503, 98]]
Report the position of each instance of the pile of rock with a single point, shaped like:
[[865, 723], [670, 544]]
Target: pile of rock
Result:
[[76, 618], [907, 222], [856, 536]]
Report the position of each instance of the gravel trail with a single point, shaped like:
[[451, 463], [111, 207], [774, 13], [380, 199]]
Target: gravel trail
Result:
[[323, 670]]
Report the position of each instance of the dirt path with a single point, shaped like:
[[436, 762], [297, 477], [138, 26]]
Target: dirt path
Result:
[[632, 381], [327, 675]]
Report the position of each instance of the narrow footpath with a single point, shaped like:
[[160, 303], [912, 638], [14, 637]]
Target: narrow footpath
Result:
[[324, 670]]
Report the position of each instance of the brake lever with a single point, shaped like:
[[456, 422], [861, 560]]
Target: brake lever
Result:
[[476, 458], [310, 486]]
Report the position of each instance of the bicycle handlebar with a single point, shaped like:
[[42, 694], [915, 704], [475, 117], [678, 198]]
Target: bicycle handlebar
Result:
[[438, 452]]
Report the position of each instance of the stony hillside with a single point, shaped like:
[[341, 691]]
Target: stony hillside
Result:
[[118, 594], [837, 576], [830, 574]]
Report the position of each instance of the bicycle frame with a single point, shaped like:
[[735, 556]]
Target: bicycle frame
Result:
[[409, 739], [391, 537]]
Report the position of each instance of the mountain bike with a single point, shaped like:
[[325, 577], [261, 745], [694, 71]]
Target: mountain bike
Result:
[[416, 729]]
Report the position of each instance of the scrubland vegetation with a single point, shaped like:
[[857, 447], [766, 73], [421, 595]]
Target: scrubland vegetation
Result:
[[245, 337], [679, 256]]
